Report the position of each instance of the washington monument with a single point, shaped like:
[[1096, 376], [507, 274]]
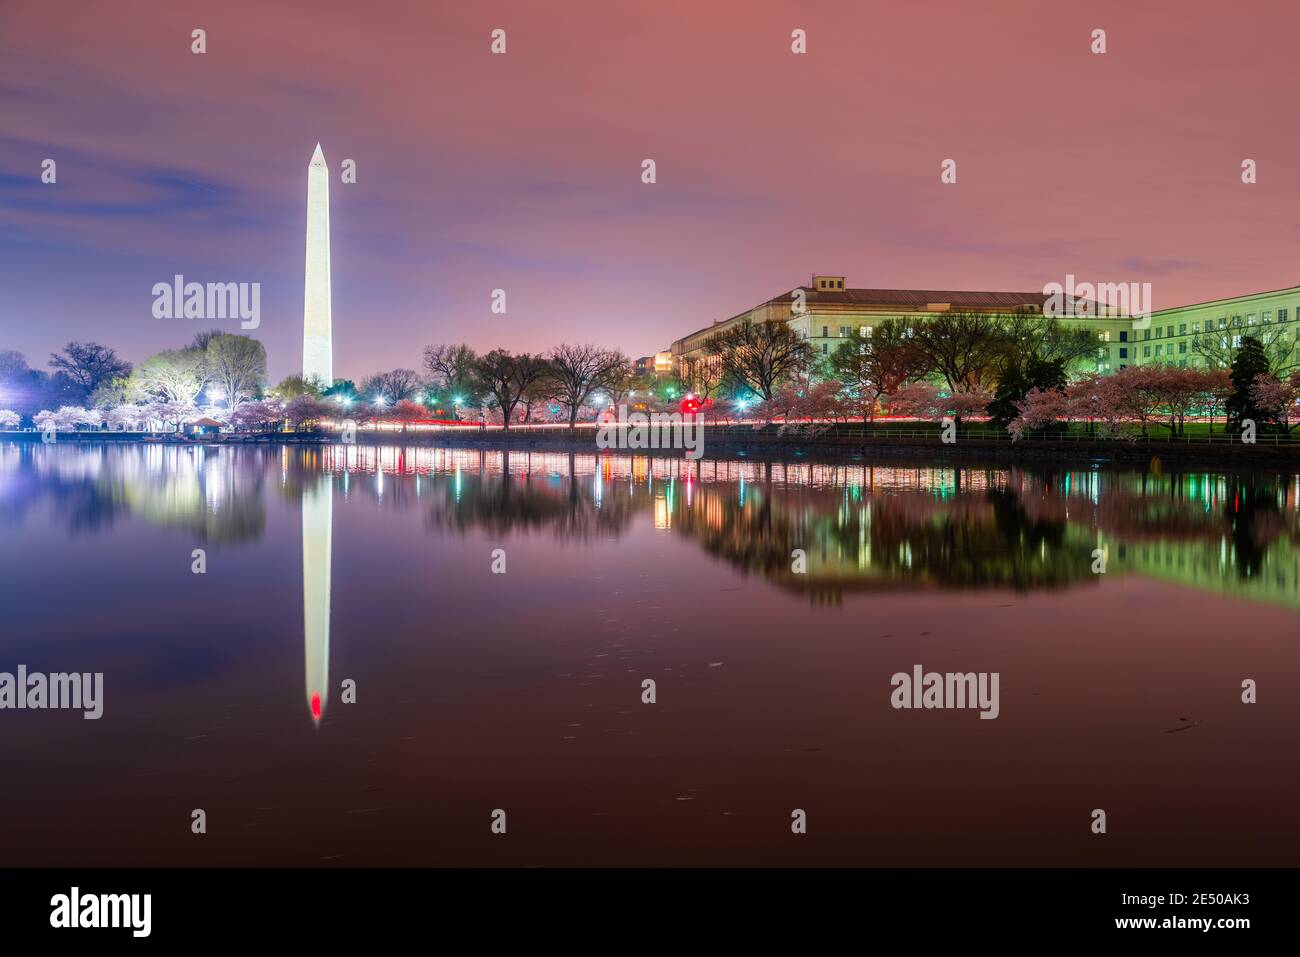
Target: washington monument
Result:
[[317, 325]]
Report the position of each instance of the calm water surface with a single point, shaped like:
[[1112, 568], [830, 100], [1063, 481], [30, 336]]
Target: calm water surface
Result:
[[522, 690]]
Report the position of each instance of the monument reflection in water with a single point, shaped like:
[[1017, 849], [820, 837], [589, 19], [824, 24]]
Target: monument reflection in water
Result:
[[317, 553]]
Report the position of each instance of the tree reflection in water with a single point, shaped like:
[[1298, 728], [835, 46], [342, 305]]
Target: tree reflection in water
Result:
[[863, 526]]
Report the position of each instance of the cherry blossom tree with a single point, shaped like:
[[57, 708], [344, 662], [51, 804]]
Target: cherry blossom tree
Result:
[[129, 417], [173, 414], [917, 400], [9, 419], [1279, 399], [305, 411], [922, 400], [407, 412], [961, 405], [257, 415], [823, 400], [1039, 409], [66, 419]]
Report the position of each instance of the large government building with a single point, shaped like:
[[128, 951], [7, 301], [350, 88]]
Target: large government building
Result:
[[827, 312]]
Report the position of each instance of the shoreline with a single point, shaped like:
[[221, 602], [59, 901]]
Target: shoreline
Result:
[[732, 445]]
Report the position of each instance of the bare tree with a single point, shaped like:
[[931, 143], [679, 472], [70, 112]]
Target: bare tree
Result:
[[175, 375], [878, 364], [577, 372], [965, 348], [202, 339], [392, 386], [1048, 338], [702, 375], [88, 364], [451, 367], [535, 394], [237, 364], [761, 356], [1218, 347], [505, 377]]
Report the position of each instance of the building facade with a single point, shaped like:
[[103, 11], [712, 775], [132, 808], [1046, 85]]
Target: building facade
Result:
[[1201, 334], [660, 364], [827, 313]]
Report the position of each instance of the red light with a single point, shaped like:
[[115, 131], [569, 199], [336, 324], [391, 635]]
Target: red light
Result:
[[315, 706]]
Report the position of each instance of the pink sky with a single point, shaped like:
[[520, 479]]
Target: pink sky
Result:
[[522, 171]]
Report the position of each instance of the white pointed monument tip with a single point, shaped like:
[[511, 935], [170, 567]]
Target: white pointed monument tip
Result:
[[318, 156]]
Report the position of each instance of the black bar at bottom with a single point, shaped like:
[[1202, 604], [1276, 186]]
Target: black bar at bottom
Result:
[[322, 908]]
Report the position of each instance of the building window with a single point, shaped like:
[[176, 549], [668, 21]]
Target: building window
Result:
[[1169, 331], [1236, 342], [1146, 352], [825, 347], [1268, 316], [1250, 319], [1146, 334], [1158, 348], [1281, 315], [1182, 347], [1196, 327], [826, 332], [846, 331], [1159, 332], [1123, 336], [1123, 353], [1182, 329]]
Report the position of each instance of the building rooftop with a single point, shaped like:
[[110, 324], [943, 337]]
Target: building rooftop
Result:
[[829, 290], [918, 297]]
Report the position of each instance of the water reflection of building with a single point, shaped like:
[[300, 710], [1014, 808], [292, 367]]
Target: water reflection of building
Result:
[[317, 552], [863, 526]]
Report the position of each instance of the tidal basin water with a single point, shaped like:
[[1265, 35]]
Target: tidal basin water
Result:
[[523, 691]]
